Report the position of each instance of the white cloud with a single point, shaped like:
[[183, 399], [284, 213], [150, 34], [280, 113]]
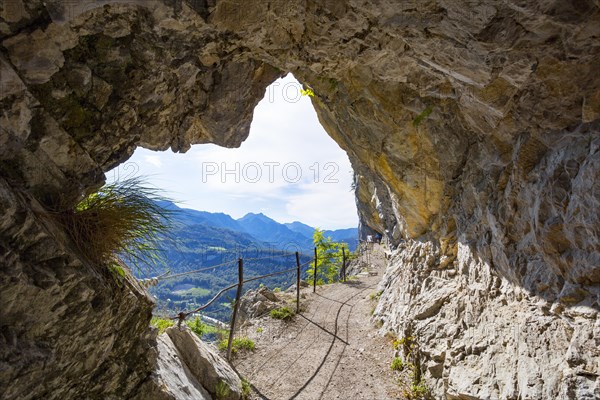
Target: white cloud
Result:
[[154, 160], [325, 206], [282, 132]]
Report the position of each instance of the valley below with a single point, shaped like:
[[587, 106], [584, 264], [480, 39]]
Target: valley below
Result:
[[200, 240]]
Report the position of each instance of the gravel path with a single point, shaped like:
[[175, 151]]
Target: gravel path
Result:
[[329, 351]]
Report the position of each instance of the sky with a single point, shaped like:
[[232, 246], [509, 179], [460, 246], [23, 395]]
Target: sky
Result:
[[288, 169]]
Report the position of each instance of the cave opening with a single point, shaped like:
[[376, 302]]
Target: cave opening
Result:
[[288, 168], [267, 195]]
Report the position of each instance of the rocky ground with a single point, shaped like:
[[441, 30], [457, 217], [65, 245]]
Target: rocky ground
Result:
[[331, 350]]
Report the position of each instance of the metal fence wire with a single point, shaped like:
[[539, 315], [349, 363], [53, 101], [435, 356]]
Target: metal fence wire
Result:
[[181, 316]]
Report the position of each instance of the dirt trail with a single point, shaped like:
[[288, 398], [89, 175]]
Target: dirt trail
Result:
[[329, 351]]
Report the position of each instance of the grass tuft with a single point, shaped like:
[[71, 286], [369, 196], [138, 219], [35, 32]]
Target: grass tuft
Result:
[[284, 313], [123, 219], [397, 364], [242, 343], [246, 389]]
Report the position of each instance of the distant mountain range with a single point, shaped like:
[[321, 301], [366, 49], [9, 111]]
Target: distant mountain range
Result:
[[347, 235], [259, 229], [202, 239]]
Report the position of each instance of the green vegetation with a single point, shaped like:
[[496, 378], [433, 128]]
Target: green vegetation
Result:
[[117, 270], [406, 343], [397, 364], [121, 219], [307, 92], [375, 296], [259, 330], [198, 327], [161, 324], [191, 291], [329, 259], [245, 388], [284, 313], [422, 116], [221, 390], [242, 343], [417, 391]]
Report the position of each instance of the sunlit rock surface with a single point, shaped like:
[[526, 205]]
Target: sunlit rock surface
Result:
[[474, 127], [189, 368]]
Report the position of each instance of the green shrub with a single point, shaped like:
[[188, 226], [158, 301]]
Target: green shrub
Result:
[[242, 343], [221, 390], [284, 313], [417, 391], [259, 330], [329, 259], [198, 327], [161, 324], [405, 343], [397, 364], [246, 388]]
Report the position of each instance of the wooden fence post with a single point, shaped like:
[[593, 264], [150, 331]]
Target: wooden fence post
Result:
[[297, 283], [236, 307], [315, 273], [344, 263]]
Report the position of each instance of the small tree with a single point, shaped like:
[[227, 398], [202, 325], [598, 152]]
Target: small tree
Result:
[[198, 327], [329, 259]]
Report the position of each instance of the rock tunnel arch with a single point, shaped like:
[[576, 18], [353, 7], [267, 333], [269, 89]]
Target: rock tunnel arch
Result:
[[473, 127], [288, 168]]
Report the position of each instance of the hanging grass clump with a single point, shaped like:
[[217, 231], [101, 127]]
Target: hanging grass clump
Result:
[[123, 219]]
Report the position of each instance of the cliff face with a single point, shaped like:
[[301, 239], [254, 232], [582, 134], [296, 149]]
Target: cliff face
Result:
[[68, 330], [473, 127]]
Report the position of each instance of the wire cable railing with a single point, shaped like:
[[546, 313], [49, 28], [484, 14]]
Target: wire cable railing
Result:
[[147, 282], [181, 316]]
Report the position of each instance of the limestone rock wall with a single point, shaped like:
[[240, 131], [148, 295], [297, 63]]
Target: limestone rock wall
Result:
[[479, 336], [188, 368], [473, 127], [68, 330]]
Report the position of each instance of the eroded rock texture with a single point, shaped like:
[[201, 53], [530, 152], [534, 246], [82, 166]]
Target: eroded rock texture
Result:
[[473, 126], [69, 330], [189, 368]]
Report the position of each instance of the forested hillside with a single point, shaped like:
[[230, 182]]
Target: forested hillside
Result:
[[201, 239]]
